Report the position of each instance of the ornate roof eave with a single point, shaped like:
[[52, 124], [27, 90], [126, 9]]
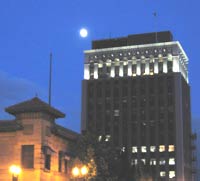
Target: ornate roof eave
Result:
[[181, 52]]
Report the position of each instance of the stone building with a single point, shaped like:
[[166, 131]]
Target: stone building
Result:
[[35, 142]]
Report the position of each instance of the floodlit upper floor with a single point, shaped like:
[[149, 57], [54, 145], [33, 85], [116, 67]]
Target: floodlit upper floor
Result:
[[156, 55]]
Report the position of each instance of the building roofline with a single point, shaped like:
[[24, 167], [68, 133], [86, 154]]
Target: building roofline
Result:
[[34, 105], [176, 43]]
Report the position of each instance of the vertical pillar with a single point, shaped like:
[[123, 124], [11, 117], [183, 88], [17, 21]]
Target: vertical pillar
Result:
[[147, 67], [86, 71], [129, 68], [121, 71], [155, 66], [112, 71], [175, 63], [96, 71], [165, 65], [138, 68]]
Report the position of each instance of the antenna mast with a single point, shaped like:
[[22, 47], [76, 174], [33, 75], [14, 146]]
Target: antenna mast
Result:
[[50, 77], [156, 35]]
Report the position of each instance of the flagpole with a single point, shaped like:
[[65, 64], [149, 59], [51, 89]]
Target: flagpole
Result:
[[156, 35], [50, 77]]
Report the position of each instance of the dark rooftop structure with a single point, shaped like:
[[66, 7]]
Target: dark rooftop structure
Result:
[[34, 105], [136, 39]]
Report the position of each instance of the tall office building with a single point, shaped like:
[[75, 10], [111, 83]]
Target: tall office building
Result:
[[136, 95]]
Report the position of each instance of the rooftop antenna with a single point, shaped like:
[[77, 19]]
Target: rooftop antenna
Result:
[[155, 17], [50, 75]]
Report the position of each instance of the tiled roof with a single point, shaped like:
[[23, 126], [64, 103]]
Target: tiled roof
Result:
[[65, 133], [8, 126], [34, 105]]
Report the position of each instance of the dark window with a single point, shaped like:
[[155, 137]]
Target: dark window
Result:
[[134, 101], [47, 162], [28, 129], [170, 100], [143, 102], [124, 91], [169, 66], [169, 85], [134, 69], [116, 92], [125, 70], [27, 156], [143, 68], [160, 67], [48, 131], [91, 71], [66, 165], [99, 90], [151, 86], [142, 87], [152, 115], [152, 100], [116, 135], [108, 92], [142, 114], [108, 68], [100, 72], [117, 71], [60, 161], [151, 68]]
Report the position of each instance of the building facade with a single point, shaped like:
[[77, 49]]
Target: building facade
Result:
[[136, 95], [35, 143]]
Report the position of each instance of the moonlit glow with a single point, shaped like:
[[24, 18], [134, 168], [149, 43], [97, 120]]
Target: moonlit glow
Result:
[[83, 33]]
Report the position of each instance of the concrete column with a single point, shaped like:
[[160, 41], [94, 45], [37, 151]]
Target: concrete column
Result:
[[138, 68], [129, 68], [147, 67], [86, 71], [96, 71]]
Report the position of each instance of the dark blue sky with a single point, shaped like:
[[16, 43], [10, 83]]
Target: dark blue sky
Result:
[[30, 29]]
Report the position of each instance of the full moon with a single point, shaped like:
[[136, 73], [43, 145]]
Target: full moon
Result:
[[83, 33]]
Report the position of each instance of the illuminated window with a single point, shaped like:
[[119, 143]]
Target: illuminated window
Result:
[[135, 162], [134, 149], [143, 161], [152, 148], [107, 138], [116, 112], [152, 161], [123, 149], [171, 148], [144, 149], [172, 161], [161, 148], [162, 161], [162, 174], [172, 174], [100, 138]]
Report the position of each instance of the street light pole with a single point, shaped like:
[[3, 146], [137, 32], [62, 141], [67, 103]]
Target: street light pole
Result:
[[15, 171], [79, 172]]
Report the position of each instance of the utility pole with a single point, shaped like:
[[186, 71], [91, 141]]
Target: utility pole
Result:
[[50, 77]]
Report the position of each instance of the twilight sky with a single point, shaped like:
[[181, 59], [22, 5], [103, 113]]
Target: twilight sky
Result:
[[30, 29]]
